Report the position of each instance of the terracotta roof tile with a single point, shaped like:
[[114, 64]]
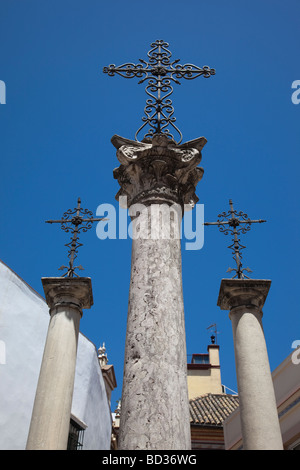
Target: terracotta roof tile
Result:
[[212, 409]]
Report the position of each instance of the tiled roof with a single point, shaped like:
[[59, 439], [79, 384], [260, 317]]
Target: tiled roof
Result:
[[212, 409]]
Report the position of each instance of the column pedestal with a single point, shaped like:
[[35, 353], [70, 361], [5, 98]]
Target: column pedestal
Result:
[[258, 410], [49, 428]]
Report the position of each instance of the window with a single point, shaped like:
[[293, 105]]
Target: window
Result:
[[200, 359], [295, 446], [75, 441]]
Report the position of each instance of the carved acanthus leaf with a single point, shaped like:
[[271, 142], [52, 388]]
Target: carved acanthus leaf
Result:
[[158, 167]]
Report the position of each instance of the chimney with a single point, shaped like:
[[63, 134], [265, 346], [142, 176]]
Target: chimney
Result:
[[204, 373]]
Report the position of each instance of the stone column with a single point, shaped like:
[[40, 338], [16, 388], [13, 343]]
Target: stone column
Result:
[[158, 178], [49, 428], [258, 410]]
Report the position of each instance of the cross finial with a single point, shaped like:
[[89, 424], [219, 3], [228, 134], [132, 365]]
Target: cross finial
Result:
[[75, 221], [234, 223], [161, 73]]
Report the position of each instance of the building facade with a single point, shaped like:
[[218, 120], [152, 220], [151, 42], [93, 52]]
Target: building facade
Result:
[[209, 405], [286, 381], [24, 320]]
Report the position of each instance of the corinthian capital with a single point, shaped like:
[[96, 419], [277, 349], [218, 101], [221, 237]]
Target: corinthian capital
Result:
[[158, 170]]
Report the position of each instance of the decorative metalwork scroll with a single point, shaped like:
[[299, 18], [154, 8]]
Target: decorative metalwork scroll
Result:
[[161, 73], [75, 221], [233, 223]]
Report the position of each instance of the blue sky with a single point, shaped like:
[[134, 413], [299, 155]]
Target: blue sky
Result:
[[61, 112]]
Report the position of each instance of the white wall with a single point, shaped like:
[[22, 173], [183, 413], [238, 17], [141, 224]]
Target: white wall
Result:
[[24, 319], [90, 403]]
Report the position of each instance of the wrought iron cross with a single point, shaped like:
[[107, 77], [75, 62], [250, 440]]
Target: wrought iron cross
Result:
[[234, 222], [75, 221], [160, 73]]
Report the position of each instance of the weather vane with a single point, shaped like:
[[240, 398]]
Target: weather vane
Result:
[[75, 221], [234, 223], [213, 337], [160, 73]]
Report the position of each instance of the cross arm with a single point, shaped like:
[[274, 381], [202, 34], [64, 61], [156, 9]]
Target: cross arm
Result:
[[187, 71], [247, 221], [92, 219], [128, 70], [216, 223], [190, 71], [259, 221], [55, 221]]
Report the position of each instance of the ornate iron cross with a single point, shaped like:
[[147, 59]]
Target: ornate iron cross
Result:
[[234, 223], [160, 73], [75, 221]]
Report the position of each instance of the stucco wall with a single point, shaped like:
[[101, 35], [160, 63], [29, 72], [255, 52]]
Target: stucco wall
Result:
[[286, 381], [24, 319]]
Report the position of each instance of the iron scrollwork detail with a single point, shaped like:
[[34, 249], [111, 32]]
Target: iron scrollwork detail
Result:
[[161, 74]]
